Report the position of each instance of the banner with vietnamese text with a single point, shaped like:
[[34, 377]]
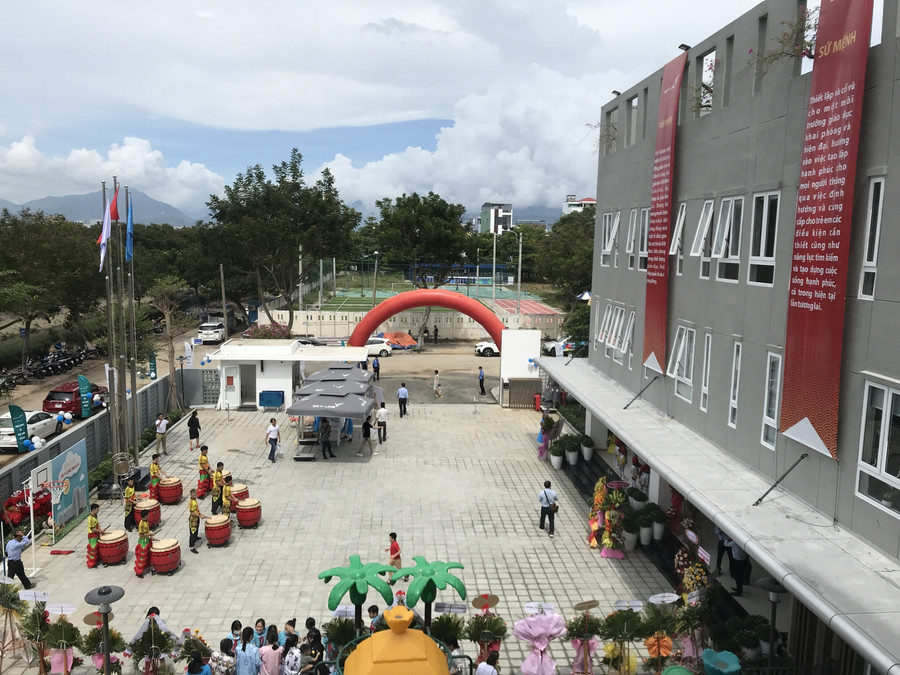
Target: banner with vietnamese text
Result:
[[815, 315], [657, 302]]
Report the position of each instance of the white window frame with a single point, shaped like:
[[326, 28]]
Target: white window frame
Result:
[[629, 340], [771, 400], [704, 378], [632, 231], [676, 247], [706, 214], [761, 238], [735, 385], [604, 326], [727, 239], [681, 366], [644, 240], [610, 245], [874, 214], [617, 336], [605, 240], [879, 470]]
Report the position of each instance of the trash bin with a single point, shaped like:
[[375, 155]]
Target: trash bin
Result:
[[537, 402]]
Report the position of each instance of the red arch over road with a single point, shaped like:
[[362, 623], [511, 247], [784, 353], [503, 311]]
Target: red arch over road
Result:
[[425, 297]]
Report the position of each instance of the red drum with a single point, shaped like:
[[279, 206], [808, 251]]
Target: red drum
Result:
[[113, 547], [240, 491], [249, 511], [218, 530], [150, 505], [170, 490], [165, 555]]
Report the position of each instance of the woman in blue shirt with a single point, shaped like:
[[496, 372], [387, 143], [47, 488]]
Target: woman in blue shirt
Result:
[[246, 656]]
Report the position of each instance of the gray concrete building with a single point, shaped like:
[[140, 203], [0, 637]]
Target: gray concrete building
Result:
[[709, 426]]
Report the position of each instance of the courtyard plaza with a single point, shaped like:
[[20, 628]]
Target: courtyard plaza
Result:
[[457, 482]]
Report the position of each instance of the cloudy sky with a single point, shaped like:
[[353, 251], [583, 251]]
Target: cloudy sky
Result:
[[478, 100]]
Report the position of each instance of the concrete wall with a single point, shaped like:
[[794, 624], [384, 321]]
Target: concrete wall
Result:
[[749, 143]]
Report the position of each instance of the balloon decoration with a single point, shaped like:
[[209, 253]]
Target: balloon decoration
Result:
[[68, 416], [153, 376], [60, 418]]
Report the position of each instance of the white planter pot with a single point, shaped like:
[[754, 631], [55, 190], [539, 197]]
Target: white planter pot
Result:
[[636, 505], [631, 539], [646, 536], [556, 461], [763, 647], [587, 452], [752, 653], [659, 531], [572, 457]]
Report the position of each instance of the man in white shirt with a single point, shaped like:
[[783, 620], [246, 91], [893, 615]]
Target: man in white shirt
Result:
[[162, 424], [14, 566], [382, 418], [547, 498], [402, 398], [273, 438]]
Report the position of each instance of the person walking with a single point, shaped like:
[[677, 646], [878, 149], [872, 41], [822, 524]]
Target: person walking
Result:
[[403, 398], [376, 368], [740, 567], [393, 551], [435, 333], [273, 438], [14, 566], [549, 506], [437, 385], [481, 379], [162, 425], [193, 425], [325, 438], [381, 418], [366, 437]]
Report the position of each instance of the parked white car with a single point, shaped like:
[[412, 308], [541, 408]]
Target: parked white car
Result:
[[211, 332], [39, 424], [486, 349], [380, 347]]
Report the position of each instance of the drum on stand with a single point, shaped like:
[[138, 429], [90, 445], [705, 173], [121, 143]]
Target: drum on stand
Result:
[[240, 491], [113, 547], [150, 505], [165, 555], [249, 512], [170, 490], [218, 530]]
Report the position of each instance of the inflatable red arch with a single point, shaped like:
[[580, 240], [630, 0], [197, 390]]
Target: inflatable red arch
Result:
[[425, 297]]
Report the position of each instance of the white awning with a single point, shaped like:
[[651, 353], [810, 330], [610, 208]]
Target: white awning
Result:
[[851, 586], [240, 349]]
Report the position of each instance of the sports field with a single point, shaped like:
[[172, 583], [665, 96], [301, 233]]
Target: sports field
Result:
[[354, 301]]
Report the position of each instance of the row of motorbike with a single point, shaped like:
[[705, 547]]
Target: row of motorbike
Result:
[[59, 361]]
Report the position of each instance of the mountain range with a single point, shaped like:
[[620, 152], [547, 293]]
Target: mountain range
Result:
[[88, 208]]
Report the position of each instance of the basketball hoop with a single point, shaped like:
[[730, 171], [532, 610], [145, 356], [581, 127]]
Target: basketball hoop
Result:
[[57, 488]]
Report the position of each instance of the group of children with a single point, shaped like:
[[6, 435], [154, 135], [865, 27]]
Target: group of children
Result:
[[265, 650]]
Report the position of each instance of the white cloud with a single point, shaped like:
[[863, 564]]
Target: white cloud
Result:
[[26, 173]]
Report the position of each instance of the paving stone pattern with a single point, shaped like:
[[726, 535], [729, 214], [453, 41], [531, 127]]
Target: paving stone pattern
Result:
[[454, 485]]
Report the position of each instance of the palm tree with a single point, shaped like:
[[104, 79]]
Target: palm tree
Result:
[[357, 578], [428, 577]]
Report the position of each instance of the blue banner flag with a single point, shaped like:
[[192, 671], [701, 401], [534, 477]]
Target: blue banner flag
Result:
[[129, 239]]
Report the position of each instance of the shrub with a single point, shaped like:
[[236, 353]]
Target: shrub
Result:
[[587, 441], [447, 626], [340, 631], [583, 627], [485, 623]]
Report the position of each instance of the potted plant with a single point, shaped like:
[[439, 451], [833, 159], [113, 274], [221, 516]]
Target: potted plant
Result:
[[637, 498], [93, 646], [487, 631], [582, 630], [557, 449], [587, 448], [645, 523], [622, 627], [660, 519], [659, 624], [63, 638], [761, 627], [571, 447], [447, 627], [193, 642], [746, 638], [631, 528]]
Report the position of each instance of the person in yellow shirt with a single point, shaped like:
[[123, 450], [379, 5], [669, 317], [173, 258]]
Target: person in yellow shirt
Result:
[[204, 482], [194, 517], [94, 532], [142, 550], [155, 473], [218, 484], [129, 505], [227, 500]]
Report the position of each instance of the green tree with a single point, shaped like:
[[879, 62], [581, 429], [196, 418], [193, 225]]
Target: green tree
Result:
[[566, 255], [356, 579], [167, 295], [428, 578], [427, 234], [578, 322]]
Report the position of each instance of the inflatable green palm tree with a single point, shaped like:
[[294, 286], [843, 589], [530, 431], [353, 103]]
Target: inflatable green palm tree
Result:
[[356, 579], [428, 578]]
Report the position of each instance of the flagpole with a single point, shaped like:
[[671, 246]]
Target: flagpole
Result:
[[110, 344], [129, 255], [122, 341]]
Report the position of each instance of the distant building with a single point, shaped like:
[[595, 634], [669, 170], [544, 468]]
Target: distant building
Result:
[[573, 204], [538, 224], [496, 218]]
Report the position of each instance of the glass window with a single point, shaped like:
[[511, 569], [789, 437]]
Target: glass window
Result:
[[629, 340], [702, 227], [704, 383], [735, 385], [644, 248], [632, 231], [606, 238], [604, 326], [609, 132], [873, 235], [633, 113], [727, 239], [770, 404], [676, 247], [616, 338], [762, 238], [610, 245], [879, 453], [681, 367]]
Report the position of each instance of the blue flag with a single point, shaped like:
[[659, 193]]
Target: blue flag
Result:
[[129, 239]]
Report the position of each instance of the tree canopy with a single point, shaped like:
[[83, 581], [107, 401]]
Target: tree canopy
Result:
[[566, 256]]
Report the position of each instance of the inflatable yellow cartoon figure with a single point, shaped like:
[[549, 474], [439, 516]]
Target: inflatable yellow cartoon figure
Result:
[[398, 651]]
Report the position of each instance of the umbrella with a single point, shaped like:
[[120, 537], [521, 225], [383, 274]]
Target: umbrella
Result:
[[333, 388], [538, 630], [351, 375], [584, 296], [324, 405]]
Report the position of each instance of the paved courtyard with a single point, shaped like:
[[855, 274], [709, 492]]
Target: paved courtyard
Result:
[[454, 484]]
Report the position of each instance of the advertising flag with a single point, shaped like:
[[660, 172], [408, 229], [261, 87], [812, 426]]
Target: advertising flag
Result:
[[104, 235], [129, 237], [20, 426], [815, 315], [114, 207], [84, 390]]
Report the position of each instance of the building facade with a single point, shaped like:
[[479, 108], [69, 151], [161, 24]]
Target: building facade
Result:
[[496, 218], [573, 204], [741, 130]]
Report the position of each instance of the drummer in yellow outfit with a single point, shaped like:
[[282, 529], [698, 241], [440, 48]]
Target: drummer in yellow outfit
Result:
[[226, 497], [142, 550], [203, 483], [94, 532], [218, 484], [194, 517], [155, 473], [129, 505]]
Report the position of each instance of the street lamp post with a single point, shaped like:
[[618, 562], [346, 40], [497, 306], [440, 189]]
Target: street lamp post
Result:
[[774, 589], [103, 597], [181, 360], [519, 284], [375, 280]]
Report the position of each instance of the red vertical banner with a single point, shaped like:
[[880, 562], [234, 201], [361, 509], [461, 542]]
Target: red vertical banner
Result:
[[657, 303], [815, 315]]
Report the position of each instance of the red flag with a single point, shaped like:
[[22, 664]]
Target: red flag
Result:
[[114, 208]]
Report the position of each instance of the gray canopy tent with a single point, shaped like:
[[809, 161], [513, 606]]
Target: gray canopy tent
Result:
[[335, 400]]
